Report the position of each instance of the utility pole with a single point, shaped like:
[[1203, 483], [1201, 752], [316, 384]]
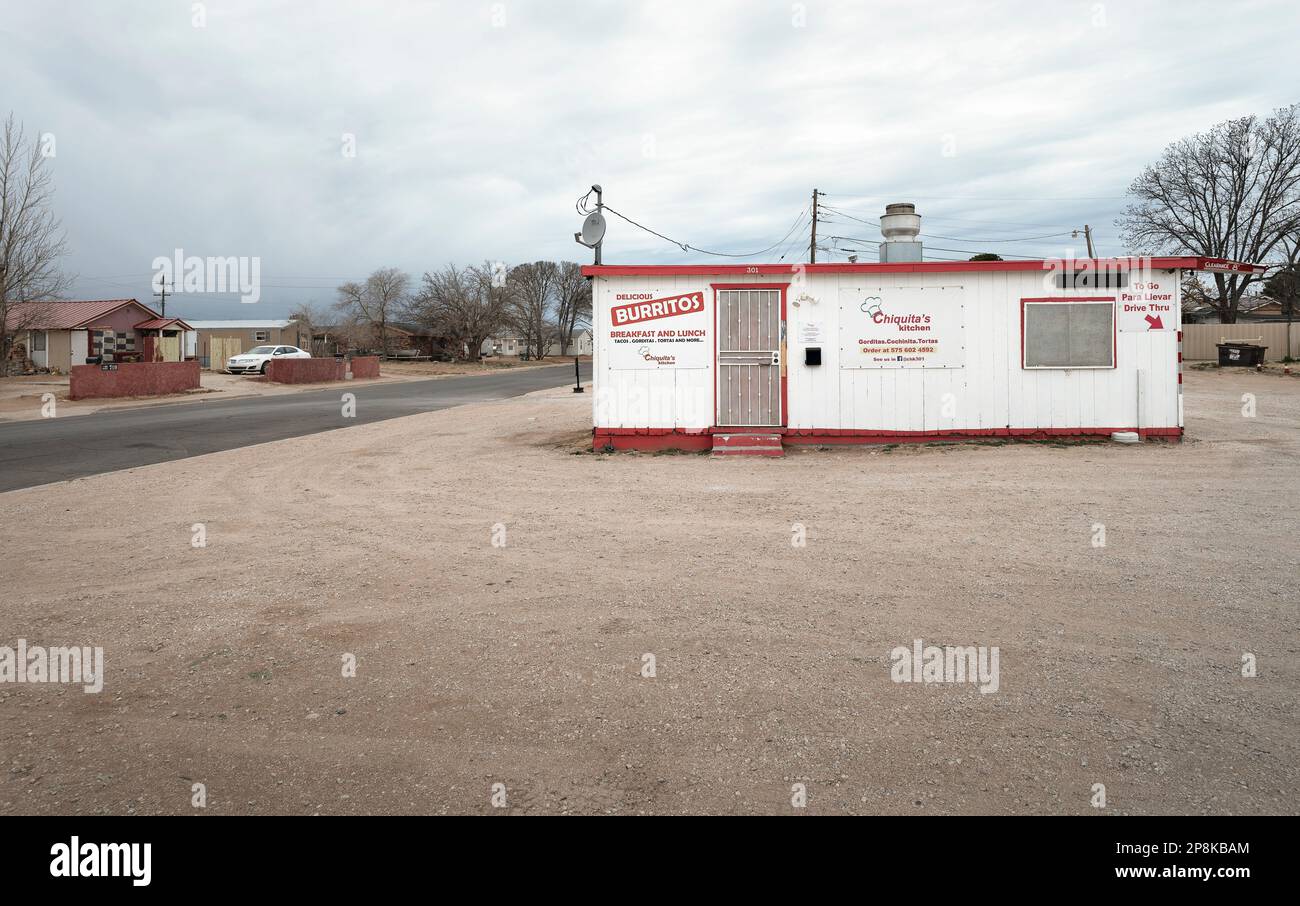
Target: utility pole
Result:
[[812, 246], [163, 294], [600, 208], [1087, 235]]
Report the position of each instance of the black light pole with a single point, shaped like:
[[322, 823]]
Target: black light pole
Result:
[[577, 378]]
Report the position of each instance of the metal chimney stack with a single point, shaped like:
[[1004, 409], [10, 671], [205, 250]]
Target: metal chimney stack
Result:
[[900, 226]]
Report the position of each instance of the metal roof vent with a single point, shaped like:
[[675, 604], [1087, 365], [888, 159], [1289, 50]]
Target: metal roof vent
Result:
[[900, 226], [901, 223]]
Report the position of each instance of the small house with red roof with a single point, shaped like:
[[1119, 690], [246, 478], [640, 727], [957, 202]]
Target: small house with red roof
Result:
[[60, 334]]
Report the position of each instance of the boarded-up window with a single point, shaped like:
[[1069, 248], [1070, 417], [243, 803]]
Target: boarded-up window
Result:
[[1092, 279], [1070, 334], [106, 342]]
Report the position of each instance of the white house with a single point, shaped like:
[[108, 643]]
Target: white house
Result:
[[582, 343]]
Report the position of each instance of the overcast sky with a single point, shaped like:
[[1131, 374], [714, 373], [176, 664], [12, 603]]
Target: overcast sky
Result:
[[477, 125]]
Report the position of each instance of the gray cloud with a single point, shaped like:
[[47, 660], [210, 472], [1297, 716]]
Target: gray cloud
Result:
[[710, 122]]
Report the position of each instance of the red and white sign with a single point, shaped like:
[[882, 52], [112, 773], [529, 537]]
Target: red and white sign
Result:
[[1146, 305], [653, 309], [1226, 266], [650, 332]]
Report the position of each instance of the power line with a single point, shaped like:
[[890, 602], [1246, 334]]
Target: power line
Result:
[[945, 219], [790, 246], [850, 216], [686, 246], [975, 239], [985, 197], [988, 240], [940, 248]]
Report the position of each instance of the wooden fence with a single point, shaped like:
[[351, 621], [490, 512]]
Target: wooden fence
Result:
[[1199, 339]]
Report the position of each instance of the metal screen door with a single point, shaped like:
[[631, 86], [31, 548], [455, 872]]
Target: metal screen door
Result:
[[749, 357]]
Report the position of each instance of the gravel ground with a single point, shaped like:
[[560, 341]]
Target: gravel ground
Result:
[[522, 664]]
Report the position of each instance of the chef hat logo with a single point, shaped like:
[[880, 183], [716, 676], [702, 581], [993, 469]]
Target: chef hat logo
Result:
[[871, 305]]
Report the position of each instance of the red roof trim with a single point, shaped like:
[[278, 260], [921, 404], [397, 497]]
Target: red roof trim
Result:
[[58, 314], [1184, 262], [162, 324], [125, 303]]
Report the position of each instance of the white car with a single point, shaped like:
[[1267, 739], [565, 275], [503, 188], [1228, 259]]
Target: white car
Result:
[[258, 359]]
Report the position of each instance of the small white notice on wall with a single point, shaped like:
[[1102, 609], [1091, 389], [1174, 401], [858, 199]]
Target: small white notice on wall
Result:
[[810, 332]]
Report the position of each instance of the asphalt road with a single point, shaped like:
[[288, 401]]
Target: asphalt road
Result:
[[43, 450]]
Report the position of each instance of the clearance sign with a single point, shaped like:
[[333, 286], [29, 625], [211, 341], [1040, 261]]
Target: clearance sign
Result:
[[652, 332]]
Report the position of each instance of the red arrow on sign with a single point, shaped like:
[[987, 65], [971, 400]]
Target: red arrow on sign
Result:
[[1155, 322]]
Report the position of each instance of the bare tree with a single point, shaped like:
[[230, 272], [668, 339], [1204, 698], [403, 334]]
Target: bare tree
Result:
[[572, 302], [376, 302], [1194, 297], [463, 305], [1232, 192], [531, 297], [350, 334], [31, 240], [311, 320], [1283, 286]]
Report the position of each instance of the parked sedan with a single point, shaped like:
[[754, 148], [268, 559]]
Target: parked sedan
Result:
[[258, 359]]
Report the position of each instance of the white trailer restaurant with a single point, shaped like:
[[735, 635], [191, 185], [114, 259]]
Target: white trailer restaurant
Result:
[[748, 358]]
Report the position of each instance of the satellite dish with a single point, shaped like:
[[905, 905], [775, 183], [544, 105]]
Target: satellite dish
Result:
[[593, 228]]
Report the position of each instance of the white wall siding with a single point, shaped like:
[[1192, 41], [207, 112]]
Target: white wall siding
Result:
[[989, 391]]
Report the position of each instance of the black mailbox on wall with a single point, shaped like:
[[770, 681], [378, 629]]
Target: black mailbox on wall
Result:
[[812, 355]]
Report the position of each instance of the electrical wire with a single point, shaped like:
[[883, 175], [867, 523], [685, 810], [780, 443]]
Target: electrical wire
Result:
[[983, 197], [686, 246], [987, 241], [941, 248], [943, 219], [790, 246], [975, 239]]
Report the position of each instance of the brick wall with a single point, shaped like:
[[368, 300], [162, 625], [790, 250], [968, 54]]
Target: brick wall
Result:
[[305, 371], [142, 379], [365, 366]]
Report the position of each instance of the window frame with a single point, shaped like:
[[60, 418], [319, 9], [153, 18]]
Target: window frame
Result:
[[261, 337], [1059, 300]]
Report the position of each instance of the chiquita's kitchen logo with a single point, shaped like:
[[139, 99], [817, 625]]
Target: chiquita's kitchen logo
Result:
[[872, 306], [649, 356], [653, 309]]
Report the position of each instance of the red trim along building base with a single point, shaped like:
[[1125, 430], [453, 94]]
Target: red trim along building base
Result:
[[658, 439]]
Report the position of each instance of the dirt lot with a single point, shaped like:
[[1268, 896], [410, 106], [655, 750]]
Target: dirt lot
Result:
[[521, 664]]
